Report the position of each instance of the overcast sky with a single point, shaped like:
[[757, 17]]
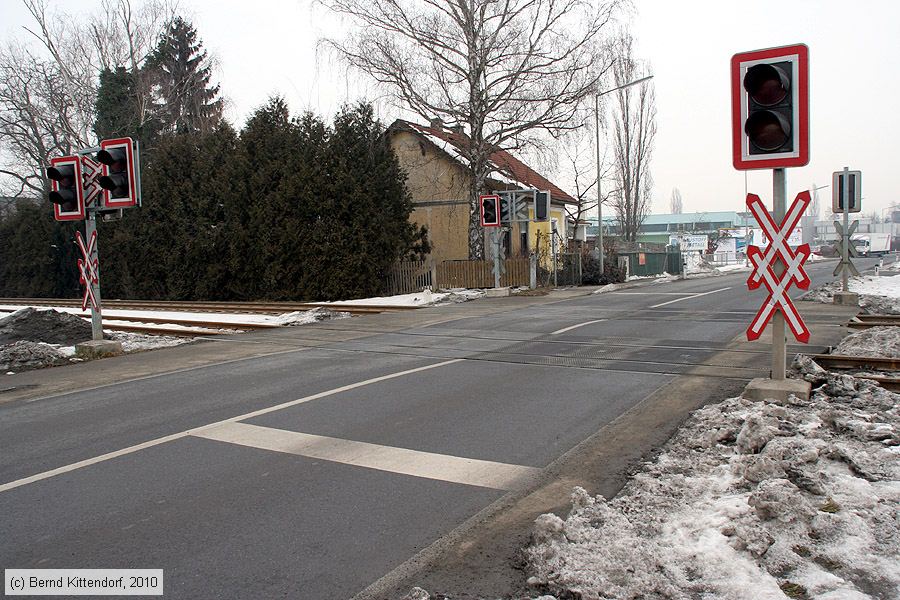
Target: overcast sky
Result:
[[268, 46]]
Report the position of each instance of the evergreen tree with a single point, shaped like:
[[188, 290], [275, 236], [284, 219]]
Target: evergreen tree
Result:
[[182, 72], [368, 206], [119, 112], [38, 257]]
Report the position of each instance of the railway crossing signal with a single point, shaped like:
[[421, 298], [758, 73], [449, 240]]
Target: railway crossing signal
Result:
[[770, 108], [89, 270], [66, 191], [853, 182], [846, 198], [78, 182], [490, 210], [541, 206], [119, 178], [851, 249], [764, 272]]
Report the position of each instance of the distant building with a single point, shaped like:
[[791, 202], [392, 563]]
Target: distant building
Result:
[[660, 228], [439, 180]]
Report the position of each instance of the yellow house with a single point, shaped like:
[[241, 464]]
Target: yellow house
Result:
[[439, 180]]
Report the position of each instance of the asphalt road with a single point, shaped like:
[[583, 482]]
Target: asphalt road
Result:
[[314, 471]]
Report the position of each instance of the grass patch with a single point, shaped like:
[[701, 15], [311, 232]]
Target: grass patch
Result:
[[793, 590]]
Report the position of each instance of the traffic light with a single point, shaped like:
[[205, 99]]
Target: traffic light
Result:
[[490, 211], [505, 212], [770, 99], [541, 206], [119, 173], [66, 191]]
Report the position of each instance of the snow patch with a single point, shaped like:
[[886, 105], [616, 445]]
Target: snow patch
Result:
[[747, 500]]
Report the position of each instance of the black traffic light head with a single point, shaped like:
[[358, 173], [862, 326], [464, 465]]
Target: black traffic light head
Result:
[[541, 206], [505, 209], [769, 103], [119, 178], [490, 211], [66, 191], [770, 110]]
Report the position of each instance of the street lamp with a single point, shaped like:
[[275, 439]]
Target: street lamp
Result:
[[599, 197]]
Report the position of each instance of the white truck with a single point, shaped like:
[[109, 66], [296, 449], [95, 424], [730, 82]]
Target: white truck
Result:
[[873, 244]]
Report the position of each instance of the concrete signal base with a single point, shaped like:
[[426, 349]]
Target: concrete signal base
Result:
[[500, 292], [846, 298], [98, 349], [763, 388]]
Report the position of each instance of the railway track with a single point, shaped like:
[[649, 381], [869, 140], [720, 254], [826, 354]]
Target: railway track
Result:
[[864, 321], [190, 324], [267, 308]]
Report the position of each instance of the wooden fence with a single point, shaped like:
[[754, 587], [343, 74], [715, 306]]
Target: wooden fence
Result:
[[408, 277], [480, 273]]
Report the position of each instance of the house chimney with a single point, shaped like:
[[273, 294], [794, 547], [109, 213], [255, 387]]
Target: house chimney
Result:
[[436, 123]]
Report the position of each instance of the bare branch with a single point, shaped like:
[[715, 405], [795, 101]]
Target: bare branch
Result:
[[511, 72]]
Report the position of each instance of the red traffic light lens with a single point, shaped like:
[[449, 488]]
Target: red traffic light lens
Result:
[[767, 130], [767, 84]]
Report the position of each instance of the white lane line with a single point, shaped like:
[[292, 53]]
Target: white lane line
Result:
[[652, 293], [690, 297], [428, 465], [110, 455], [557, 332]]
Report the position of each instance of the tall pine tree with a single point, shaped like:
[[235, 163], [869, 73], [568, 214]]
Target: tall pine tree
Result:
[[182, 71]]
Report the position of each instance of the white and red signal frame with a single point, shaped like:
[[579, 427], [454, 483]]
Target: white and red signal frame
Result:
[[133, 198], [798, 56], [481, 201], [69, 215]]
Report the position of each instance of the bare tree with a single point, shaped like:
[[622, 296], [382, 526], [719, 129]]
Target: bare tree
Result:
[[676, 204], [509, 72], [579, 168], [48, 95], [634, 118]]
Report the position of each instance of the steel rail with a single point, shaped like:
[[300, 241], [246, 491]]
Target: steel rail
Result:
[[223, 307]]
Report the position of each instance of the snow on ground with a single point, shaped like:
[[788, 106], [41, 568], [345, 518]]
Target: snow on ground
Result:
[[304, 317], [423, 298], [878, 294], [749, 500], [880, 342]]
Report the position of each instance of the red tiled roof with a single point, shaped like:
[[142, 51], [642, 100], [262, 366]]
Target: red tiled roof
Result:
[[506, 163]]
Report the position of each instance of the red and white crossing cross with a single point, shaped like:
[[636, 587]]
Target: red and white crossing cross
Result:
[[764, 272], [91, 171], [88, 269]]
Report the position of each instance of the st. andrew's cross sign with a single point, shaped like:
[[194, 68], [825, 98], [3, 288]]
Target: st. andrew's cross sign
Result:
[[764, 262]]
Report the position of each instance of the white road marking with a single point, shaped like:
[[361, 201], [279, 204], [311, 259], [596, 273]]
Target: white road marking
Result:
[[652, 293], [175, 436], [428, 465], [690, 297], [557, 332]]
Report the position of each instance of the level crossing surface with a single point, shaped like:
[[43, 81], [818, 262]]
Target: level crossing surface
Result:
[[320, 467]]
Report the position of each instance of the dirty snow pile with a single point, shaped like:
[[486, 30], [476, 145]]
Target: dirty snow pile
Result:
[[748, 500], [877, 294], [33, 338], [304, 317], [458, 295], [879, 342]]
